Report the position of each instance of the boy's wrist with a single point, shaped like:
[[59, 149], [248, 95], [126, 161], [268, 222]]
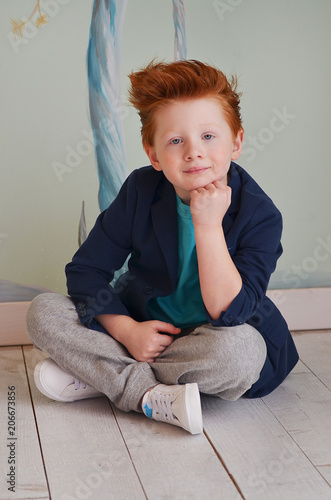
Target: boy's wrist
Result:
[[206, 229], [117, 325]]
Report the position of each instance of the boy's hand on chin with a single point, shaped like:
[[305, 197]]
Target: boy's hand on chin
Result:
[[209, 204]]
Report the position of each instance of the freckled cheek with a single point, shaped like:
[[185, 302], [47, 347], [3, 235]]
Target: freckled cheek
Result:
[[168, 158], [223, 157], [219, 160], [170, 162]]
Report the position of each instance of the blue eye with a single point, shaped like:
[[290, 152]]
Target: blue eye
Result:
[[208, 137], [175, 141]]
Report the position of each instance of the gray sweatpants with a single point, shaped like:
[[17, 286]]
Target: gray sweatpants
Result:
[[224, 361]]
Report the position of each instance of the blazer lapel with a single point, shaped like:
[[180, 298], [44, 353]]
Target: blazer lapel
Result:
[[164, 220], [235, 185]]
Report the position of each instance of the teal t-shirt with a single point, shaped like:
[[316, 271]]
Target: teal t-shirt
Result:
[[184, 307]]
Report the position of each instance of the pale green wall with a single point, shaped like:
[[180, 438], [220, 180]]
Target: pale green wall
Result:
[[280, 50]]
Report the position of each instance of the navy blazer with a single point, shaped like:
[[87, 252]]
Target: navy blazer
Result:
[[141, 224]]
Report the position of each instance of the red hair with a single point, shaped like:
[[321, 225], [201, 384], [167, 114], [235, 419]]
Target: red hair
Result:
[[160, 83]]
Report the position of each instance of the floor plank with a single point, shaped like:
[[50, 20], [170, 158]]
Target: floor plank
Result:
[[173, 464], [302, 404], [275, 447], [285, 460], [315, 352], [20, 450], [259, 453], [84, 453]]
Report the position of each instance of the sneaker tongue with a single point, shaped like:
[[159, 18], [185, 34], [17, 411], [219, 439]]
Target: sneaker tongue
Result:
[[79, 384], [162, 407]]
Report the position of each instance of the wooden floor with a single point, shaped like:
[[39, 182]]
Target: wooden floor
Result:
[[277, 447]]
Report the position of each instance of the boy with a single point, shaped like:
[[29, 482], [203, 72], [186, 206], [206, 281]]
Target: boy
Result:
[[191, 314]]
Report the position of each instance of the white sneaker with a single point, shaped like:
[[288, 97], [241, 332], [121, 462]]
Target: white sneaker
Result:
[[56, 384], [175, 404]]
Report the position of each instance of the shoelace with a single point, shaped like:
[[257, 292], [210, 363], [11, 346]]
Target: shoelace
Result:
[[79, 384], [162, 407]]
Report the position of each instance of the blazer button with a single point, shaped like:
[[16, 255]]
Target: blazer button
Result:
[[229, 320], [81, 309], [148, 290]]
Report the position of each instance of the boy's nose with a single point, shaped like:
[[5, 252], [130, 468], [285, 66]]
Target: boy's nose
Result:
[[193, 151]]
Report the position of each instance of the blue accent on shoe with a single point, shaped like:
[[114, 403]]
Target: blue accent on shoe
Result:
[[148, 410]]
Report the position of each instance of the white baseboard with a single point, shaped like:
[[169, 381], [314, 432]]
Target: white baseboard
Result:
[[304, 308], [12, 323]]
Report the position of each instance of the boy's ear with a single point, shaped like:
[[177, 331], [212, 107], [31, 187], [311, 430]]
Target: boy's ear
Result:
[[151, 153], [238, 145]]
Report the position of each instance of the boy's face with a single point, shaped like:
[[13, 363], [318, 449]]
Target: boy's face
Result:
[[193, 144]]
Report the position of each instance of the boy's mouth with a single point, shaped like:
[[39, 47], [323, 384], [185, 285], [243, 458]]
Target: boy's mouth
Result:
[[196, 170]]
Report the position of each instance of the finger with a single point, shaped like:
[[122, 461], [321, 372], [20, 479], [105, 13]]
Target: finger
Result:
[[166, 328], [212, 186], [149, 357], [166, 341], [219, 184], [144, 359], [199, 190]]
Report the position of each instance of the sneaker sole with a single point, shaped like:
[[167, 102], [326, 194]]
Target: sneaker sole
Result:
[[194, 416]]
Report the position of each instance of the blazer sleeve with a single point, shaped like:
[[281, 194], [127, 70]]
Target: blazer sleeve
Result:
[[254, 254], [104, 251]]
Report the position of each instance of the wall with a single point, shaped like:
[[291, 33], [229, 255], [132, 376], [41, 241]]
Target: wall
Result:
[[279, 50]]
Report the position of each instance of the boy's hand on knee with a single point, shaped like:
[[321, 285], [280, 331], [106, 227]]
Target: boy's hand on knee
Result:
[[146, 343], [143, 340]]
